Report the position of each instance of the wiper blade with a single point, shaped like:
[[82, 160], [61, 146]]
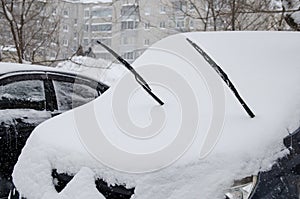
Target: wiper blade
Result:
[[137, 76], [223, 75]]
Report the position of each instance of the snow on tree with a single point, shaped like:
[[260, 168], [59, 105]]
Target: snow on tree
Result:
[[292, 17], [30, 26]]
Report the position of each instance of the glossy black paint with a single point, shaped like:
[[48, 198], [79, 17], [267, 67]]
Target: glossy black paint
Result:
[[60, 181], [283, 180]]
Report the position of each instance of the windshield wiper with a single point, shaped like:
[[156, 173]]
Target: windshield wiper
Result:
[[137, 76], [223, 75]]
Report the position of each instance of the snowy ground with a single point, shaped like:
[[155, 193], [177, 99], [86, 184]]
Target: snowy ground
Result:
[[265, 68]]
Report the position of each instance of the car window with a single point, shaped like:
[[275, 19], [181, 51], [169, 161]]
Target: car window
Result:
[[70, 95], [24, 94]]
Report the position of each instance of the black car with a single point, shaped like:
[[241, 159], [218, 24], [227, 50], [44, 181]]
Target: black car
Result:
[[30, 95], [282, 181]]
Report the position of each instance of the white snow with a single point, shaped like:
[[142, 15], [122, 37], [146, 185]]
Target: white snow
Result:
[[81, 186], [264, 66], [6, 67], [296, 17], [8, 48], [8, 116], [99, 69], [8, 13], [293, 5]]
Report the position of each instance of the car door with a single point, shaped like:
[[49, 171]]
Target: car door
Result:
[[23, 106], [72, 91]]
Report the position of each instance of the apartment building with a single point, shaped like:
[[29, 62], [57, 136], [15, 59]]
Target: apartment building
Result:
[[128, 26], [139, 24], [82, 24]]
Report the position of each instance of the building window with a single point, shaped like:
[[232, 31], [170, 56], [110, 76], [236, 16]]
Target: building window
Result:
[[86, 28], [65, 56], [75, 21], [101, 27], [129, 55], [65, 28], [66, 13], [102, 12], [129, 10], [163, 9], [162, 24], [54, 11], [65, 42], [52, 54], [129, 25], [146, 42], [127, 40], [179, 6], [75, 35], [147, 25], [86, 13], [192, 24], [147, 11], [75, 48], [85, 42], [179, 23]]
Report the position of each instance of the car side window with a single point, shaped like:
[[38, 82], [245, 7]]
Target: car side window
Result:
[[71, 93], [22, 94]]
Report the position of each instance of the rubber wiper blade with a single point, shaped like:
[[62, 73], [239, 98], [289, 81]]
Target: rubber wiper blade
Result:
[[223, 75], [137, 76]]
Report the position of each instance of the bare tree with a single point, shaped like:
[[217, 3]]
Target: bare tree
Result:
[[30, 26], [230, 14], [292, 13]]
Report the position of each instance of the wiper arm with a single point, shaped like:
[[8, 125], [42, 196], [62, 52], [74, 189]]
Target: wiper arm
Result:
[[222, 74], [137, 76]]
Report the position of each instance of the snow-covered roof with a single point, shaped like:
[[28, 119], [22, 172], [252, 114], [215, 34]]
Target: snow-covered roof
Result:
[[263, 66], [6, 67], [99, 69]]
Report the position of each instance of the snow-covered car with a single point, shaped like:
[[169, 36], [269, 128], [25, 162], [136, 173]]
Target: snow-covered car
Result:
[[30, 95], [199, 144]]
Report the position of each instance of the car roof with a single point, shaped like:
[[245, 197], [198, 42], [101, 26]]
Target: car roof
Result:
[[7, 67]]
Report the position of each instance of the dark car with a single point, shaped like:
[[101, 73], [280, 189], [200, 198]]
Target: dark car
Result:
[[282, 181], [30, 95]]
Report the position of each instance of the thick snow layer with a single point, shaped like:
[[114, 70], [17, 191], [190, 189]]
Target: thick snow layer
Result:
[[6, 67], [263, 66], [81, 186], [98, 69], [30, 116]]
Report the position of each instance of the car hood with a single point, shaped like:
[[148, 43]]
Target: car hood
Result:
[[124, 137]]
